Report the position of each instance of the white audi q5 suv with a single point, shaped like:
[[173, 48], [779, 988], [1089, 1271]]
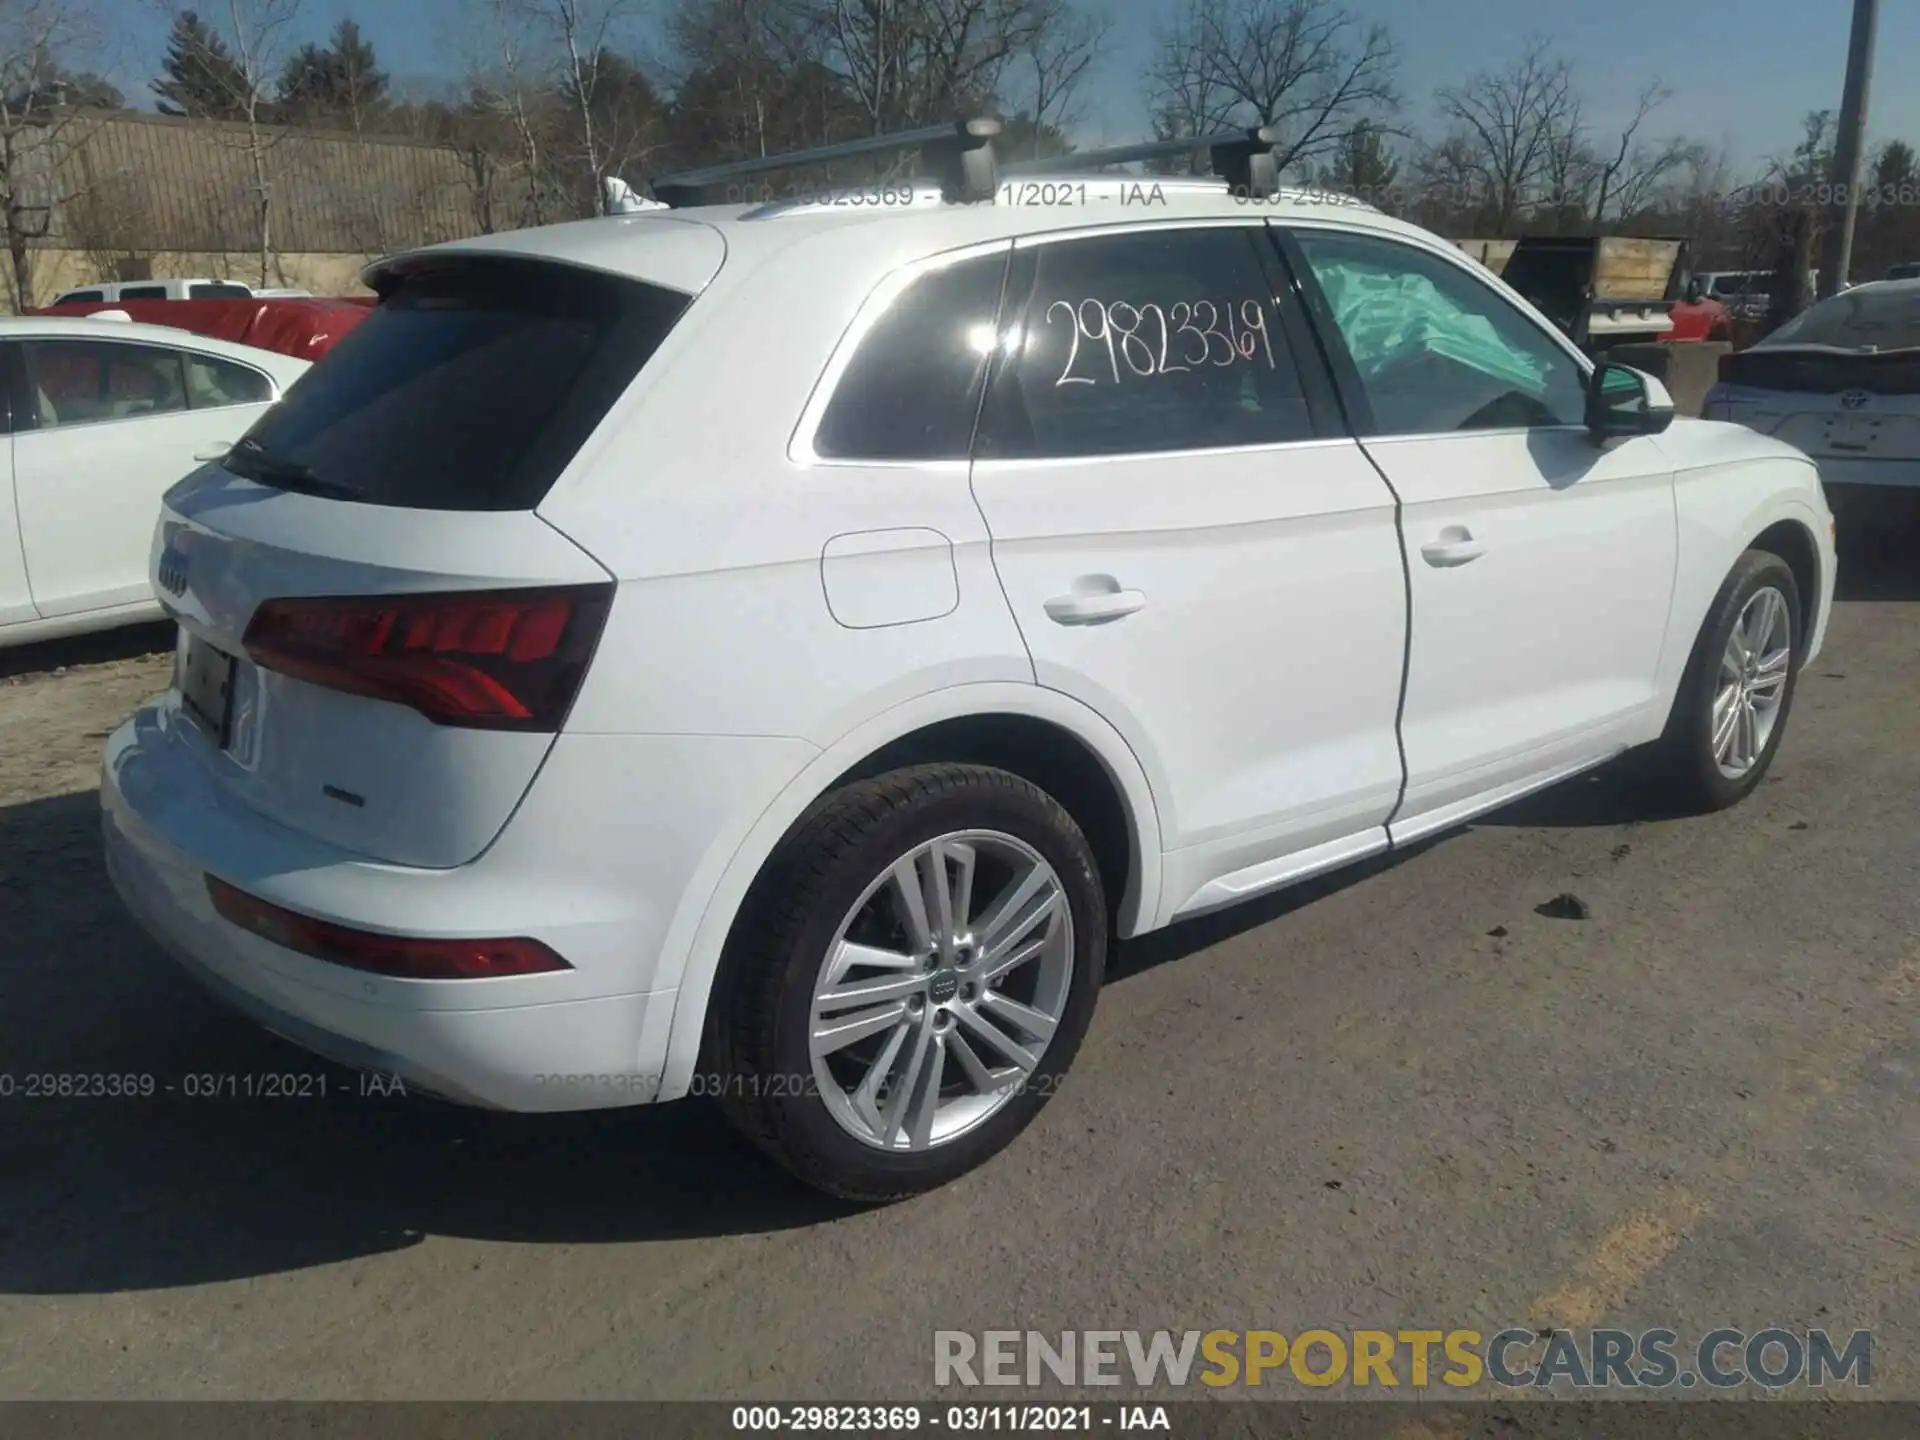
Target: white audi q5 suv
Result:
[[773, 650]]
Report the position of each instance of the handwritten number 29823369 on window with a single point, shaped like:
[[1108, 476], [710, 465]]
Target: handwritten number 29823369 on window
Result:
[[1143, 341]]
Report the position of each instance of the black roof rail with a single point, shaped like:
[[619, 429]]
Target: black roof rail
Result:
[[960, 155], [1242, 158]]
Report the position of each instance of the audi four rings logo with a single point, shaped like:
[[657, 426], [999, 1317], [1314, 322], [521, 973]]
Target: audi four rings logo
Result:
[[1854, 400], [173, 570]]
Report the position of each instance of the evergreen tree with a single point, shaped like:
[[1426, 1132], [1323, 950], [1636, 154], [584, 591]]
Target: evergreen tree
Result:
[[42, 83], [341, 80], [1365, 167], [1894, 172], [199, 76]]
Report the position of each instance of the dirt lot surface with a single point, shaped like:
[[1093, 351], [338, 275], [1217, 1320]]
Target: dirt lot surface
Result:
[[1398, 1098]]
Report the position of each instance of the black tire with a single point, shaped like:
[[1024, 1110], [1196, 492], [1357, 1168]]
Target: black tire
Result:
[[1682, 762], [762, 1011]]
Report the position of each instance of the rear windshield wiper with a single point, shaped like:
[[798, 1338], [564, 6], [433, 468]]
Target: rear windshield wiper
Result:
[[255, 462]]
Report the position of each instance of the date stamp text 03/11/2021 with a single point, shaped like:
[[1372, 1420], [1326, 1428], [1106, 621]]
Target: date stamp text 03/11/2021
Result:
[[200, 1085]]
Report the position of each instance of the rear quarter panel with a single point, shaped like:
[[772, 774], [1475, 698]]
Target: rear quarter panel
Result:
[[731, 619], [723, 623]]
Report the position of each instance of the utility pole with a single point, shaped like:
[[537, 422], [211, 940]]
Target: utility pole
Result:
[[1849, 151]]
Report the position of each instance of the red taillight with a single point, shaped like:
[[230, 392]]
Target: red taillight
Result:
[[488, 659], [401, 956]]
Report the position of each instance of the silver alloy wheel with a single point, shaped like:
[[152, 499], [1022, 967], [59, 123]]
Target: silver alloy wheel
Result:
[[931, 1011], [1753, 682]]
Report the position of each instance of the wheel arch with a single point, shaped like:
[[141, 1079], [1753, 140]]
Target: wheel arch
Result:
[[1793, 541], [1035, 732], [1725, 511]]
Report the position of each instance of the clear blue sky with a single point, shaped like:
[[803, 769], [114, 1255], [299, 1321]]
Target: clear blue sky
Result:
[[1743, 72]]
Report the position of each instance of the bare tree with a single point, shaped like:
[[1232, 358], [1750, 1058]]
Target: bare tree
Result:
[[727, 71], [504, 85], [1049, 70], [582, 28], [1568, 173], [1309, 68], [559, 74], [255, 32], [1504, 127], [40, 132], [1628, 178], [907, 63]]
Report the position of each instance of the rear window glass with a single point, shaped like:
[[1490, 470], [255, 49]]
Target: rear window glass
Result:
[[1864, 319], [469, 387]]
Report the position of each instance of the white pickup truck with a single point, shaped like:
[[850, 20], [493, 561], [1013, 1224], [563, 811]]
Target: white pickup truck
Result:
[[195, 289]]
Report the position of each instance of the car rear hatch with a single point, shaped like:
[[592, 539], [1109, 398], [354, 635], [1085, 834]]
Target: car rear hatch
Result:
[[1830, 403], [380, 639]]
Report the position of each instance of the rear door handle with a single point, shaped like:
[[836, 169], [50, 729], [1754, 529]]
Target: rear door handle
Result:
[[1094, 607], [1455, 546], [213, 452]]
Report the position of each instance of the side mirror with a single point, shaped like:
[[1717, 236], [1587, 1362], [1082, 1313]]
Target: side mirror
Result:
[[1622, 402]]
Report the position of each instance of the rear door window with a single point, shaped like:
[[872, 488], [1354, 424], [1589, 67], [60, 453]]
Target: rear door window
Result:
[[214, 290], [470, 386], [85, 382], [1146, 343], [143, 292]]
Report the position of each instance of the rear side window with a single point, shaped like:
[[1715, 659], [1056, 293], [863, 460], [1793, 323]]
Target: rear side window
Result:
[[470, 386], [215, 291], [913, 386], [212, 383]]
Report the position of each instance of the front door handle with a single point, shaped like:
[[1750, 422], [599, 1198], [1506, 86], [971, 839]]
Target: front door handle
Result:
[[213, 452], [1101, 600], [1455, 546]]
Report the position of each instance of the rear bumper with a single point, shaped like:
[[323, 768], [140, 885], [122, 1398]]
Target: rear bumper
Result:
[[508, 1057], [591, 1037]]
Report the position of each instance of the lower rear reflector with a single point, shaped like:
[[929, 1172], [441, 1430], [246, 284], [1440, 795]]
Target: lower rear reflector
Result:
[[403, 957]]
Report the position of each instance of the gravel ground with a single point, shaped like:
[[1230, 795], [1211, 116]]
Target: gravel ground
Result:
[[1399, 1097]]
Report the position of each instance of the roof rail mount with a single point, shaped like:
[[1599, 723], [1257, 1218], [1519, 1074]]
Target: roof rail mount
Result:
[[1242, 158], [960, 155]]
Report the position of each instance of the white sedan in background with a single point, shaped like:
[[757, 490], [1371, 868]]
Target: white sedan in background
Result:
[[1841, 382], [101, 417]]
